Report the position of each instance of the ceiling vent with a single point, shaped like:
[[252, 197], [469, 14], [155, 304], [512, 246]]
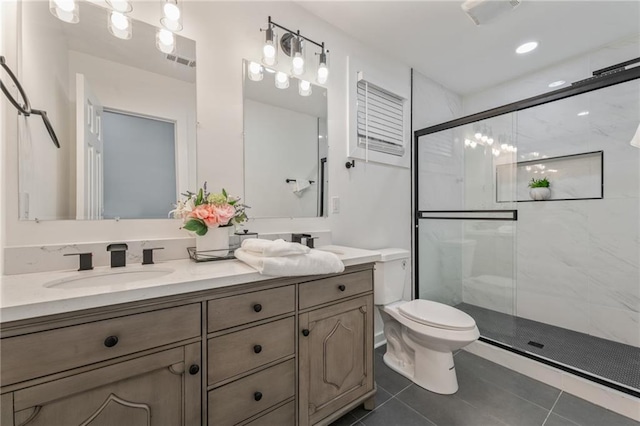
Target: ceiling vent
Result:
[[182, 61], [484, 11]]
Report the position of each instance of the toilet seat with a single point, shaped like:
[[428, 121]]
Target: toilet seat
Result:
[[437, 315]]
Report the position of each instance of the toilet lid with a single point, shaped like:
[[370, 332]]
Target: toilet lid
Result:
[[437, 315]]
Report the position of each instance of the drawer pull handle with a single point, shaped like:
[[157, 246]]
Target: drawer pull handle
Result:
[[257, 396], [305, 332], [342, 287], [257, 307], [257, 349], [111, 341], [194, 369]]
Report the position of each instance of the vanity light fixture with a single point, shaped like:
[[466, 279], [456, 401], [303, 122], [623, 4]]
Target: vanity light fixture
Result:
[[293, 45], [583, 113], [119, 25], [270, 47], [171, 16], [165, 41], [297, 60], [323, 70], [255, 71], [122, 6], [304, 88], [282, 80], [65, 10]]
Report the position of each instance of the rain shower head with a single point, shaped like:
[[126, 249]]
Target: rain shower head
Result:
[[483, 11]]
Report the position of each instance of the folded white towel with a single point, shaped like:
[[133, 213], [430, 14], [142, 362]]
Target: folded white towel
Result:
[[300, 185], [315, 262], [268, 248]]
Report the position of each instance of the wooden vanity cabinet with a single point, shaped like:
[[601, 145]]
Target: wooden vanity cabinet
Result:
[[285, 352], [335, 347], [142, 368]]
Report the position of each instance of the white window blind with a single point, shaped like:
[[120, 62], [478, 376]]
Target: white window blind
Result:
[[380, 120]]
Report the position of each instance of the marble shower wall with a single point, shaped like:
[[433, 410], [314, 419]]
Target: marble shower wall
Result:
[[578, 261]]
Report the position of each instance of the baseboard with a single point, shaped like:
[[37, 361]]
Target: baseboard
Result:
[[379, 340], [595, 393]]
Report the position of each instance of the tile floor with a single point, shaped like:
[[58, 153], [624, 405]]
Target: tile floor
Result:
[[489, 395]]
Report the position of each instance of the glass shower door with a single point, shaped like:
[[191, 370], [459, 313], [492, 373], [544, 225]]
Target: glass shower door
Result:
[[466, 216]]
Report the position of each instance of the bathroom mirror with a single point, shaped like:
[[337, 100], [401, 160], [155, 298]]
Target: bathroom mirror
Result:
[[285, 145], [124, 113]]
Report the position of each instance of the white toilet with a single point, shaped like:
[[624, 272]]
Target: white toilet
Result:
[[421, 334]]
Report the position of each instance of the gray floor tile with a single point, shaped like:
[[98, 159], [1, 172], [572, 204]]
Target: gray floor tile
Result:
[[445, 410], [381, 397], [509, 380], [388, 379], [346, 420], [380, 350], [587, 414], [395, 413], [494, 401], [556, 420]]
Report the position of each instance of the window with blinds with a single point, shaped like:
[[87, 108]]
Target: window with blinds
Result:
[[380, 119]]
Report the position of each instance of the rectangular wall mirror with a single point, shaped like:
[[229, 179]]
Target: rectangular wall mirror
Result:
[[285, 145], [124, 112]]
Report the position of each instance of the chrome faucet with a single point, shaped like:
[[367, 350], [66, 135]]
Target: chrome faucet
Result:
[[118, 254]]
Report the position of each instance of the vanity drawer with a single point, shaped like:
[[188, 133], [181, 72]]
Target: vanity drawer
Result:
[[39, 354], [335, 288], [244, 350], [249, 396], [282, 416], [244, 308]]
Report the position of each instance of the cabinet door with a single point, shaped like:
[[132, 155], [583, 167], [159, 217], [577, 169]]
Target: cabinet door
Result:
[[336, 357], [153, 390]]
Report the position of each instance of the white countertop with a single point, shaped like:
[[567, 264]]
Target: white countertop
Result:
[[27, 295]]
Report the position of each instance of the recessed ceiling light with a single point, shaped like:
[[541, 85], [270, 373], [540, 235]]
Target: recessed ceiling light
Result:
[[527, 47], [557, 83], [583, 113]]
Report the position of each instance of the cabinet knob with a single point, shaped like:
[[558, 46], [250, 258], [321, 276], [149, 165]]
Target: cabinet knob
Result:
[[342, 287], [257, 349], [257, 307], [257, 396], [305, 332], [194, 369], [111, 341]]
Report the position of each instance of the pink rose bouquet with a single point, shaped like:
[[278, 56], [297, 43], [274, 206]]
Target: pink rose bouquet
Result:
[[202, 210]]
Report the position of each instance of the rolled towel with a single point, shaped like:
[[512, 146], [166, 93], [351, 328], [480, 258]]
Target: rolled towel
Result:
[[315, 262], [268, 248]]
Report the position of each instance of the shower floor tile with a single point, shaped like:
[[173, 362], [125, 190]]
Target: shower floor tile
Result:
[[615, 362]]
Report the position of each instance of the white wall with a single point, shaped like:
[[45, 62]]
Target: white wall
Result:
[[374, 199], [279, 144]]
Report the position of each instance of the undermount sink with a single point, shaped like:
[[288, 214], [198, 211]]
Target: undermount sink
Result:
[[88, 279]]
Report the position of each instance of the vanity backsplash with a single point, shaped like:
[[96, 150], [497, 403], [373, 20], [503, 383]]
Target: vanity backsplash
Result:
[[30, 259]]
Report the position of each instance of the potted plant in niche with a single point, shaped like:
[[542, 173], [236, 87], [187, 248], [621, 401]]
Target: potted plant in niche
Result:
[[211, 217], [539, 189]]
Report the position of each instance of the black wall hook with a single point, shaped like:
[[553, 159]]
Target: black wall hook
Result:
[[350, 164]]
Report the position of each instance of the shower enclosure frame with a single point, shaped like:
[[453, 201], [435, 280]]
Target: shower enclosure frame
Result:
[[601, 79]]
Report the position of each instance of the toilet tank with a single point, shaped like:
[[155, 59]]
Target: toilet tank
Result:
[[390, 275]]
